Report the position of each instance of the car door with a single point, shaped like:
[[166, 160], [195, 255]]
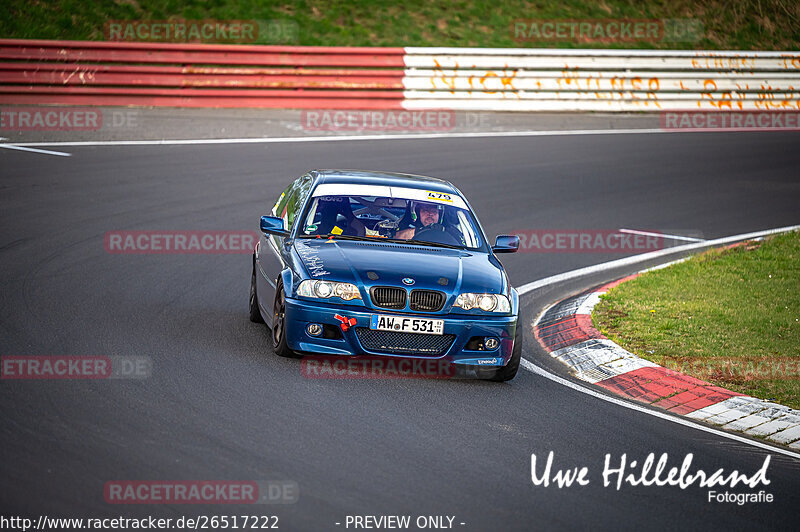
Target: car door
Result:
[[271, 260]]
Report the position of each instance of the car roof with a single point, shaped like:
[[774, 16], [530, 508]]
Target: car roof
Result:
[[389, 179]]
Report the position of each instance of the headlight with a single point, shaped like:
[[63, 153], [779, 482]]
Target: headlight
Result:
[[326, 289], [323, 289], [485, 302]]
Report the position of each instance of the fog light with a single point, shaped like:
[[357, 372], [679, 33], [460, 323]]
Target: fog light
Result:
[[314, 329], [491, 343]]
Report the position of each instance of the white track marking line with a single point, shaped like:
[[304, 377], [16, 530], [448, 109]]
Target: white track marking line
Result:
[[402, 136], [34, 150], [334, 138], [642, 257], [662, 235], [533, 368]]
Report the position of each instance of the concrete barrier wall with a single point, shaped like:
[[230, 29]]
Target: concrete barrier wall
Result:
[[600, 80]]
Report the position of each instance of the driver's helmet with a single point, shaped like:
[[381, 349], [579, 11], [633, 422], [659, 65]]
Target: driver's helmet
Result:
[[419, 204]]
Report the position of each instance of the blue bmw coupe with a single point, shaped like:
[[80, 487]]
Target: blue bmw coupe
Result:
[[354, 263]]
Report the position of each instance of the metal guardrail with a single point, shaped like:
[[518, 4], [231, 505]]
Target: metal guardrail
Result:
[[196, 75]]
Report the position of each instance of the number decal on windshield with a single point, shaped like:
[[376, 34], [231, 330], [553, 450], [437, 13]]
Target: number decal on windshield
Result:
[[440, 196]]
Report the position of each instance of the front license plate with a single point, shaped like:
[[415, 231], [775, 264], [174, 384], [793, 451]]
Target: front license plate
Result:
[[405, 324]]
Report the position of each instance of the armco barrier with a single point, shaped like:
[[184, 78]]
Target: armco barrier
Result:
[[197, 75], [518, 79]]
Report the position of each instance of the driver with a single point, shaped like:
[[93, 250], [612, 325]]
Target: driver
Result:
[[428, 215]]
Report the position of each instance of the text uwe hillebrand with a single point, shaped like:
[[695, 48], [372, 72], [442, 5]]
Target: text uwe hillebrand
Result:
[[650, 472]]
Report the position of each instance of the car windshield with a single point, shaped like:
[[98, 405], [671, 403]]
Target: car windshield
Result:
[[437, 219]]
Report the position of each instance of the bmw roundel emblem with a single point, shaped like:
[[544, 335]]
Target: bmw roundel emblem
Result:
[[408, 281]]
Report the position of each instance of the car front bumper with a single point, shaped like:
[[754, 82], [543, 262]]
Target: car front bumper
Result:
[[300, 313]]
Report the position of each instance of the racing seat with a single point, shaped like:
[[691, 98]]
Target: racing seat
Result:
[[450, 227], [354, 225], [336, 217], [408, 220]]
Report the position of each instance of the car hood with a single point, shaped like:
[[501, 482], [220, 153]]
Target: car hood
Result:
[[386, 264]]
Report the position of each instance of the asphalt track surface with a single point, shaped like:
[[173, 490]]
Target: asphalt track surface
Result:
[[220, 405]]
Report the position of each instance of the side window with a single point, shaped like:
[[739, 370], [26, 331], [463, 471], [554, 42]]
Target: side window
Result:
[[291, 210], [282, 204], [303, 188], [291, 200], [300, 191]]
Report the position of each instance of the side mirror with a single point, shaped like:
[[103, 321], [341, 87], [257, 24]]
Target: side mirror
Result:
[[273, 225], [506, 244]]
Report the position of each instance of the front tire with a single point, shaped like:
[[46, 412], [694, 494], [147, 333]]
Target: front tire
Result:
[[509, 371], [279, 344], [255, 313]]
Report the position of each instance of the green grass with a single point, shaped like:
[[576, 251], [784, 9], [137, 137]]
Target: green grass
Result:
[[722, 316], [732, 24]]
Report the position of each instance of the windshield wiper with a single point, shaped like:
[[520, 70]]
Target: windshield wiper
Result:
[[338, 237], [421, 242], [378, 239]]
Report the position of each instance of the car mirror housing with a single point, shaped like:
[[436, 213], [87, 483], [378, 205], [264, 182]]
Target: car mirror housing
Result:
[[506, 244], [273, 225]]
